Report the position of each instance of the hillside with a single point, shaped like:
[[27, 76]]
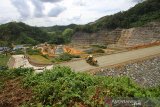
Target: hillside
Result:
[[137, 26], [20, 33], [136, 36], [137, 16], [58, 28]]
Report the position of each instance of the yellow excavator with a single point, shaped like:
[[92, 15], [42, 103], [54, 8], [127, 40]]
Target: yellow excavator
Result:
[[91, 60]]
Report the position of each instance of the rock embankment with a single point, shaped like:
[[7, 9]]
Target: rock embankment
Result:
[[145, 72], [121, 38], [103, 37]]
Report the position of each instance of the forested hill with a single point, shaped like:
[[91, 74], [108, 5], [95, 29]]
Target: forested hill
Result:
[[20, 33], [142, 13], [58, 28]]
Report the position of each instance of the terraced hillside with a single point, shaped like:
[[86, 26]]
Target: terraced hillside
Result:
[[146, 34], [102, 37]]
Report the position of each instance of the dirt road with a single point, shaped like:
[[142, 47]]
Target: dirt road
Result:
[[81, 65], [113, 59]]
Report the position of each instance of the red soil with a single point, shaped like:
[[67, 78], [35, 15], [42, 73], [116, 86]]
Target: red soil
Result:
[[14, 94]]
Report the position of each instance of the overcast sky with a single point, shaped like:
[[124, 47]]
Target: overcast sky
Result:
[[60, 12]]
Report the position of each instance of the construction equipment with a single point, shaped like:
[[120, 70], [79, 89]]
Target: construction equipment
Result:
[[91, 60]]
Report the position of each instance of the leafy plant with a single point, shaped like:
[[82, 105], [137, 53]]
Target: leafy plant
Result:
[[64, 57], [62, 87], [31, 51]]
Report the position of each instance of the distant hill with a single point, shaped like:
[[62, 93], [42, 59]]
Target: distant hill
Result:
[[58, 28], [137, 16], [20, 33], [142, 13]]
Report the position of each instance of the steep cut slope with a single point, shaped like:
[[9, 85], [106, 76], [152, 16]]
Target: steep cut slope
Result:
[[146, 34], [149, 33], [129, 28], [104, 37]]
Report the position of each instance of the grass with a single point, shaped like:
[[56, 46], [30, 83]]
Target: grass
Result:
[[4, 59], [39, 59]]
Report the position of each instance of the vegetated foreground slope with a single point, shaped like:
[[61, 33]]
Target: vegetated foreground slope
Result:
[[62, 87], [143, 18], [20, 33]]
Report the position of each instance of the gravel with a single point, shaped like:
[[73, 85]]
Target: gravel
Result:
[[145, 72]]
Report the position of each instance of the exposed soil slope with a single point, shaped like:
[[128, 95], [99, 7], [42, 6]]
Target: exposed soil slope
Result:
[[14, 94]]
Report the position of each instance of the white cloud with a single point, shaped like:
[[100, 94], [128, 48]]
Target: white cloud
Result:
[[38, 8], [22, 7], [51, 1], [53, 12]]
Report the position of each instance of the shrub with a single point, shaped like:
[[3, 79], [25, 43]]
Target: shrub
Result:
[[45, 56], [1, 85], [100, 46], [64, 57], [98, 51], [31, 51], [3, 68], [62, 87], [18, 52], [12, 73], [95, 50]]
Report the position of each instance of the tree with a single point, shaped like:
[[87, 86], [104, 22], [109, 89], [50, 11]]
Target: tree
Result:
[[67, 34]]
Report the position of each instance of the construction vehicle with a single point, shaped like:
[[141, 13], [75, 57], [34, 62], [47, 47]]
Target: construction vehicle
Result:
[[91, 60]]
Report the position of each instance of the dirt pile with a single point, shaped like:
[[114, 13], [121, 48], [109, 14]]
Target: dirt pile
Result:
[[50, 50], [72, 50]]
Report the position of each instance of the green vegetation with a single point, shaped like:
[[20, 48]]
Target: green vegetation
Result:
[[61, 87], [31, 51], [95, 50], [139, 15], [67, 34], [56, 39], [20, 33], [18, 52], [100, 46], [13, 73], [64, 57], [39, 59], [58, 29], [61, 37], [4, 59]]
